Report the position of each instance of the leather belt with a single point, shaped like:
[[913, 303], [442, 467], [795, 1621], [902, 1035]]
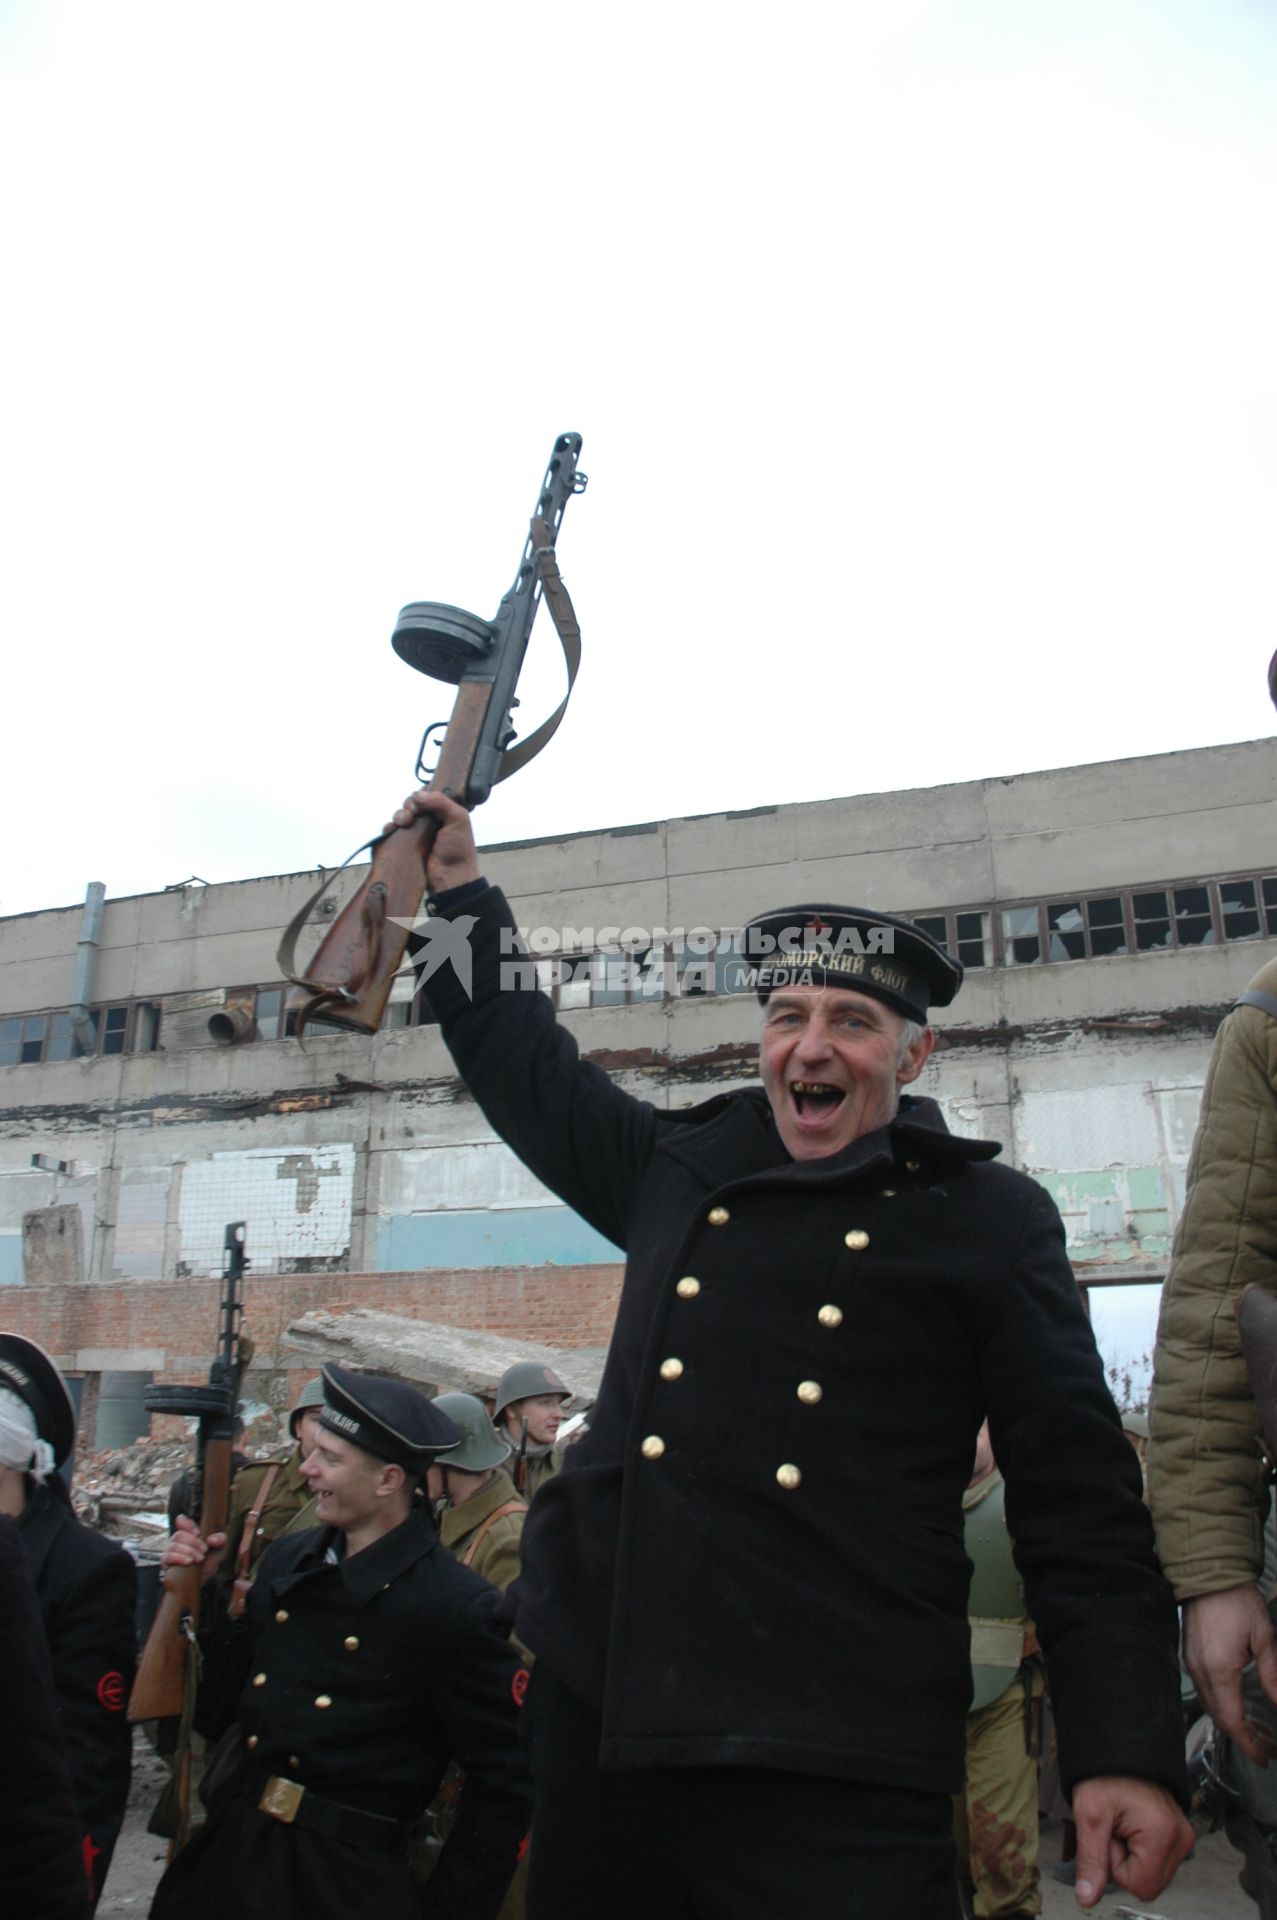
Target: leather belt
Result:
[[297, 1806]]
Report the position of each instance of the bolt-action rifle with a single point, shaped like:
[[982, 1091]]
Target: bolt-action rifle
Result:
[[348, 982], [159, 1689]]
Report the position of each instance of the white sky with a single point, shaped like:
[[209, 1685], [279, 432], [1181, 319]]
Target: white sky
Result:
[[923, 354]]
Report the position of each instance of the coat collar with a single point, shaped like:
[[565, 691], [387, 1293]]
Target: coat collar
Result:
[[456, 1522], [40, 1522], [365, 1574], [734, 1138]]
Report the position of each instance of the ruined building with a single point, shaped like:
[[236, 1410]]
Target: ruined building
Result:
[[1107, 915]]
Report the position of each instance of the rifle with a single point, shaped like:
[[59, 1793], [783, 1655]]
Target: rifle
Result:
[[159, 1689], [349, 980]]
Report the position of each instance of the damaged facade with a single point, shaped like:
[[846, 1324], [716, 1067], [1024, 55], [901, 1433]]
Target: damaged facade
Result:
[[1107, 915]]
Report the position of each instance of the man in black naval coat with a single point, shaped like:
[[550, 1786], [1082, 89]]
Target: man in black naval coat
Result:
[[86, 1588], [752, 1652], [368, 1659], [41, 1859]]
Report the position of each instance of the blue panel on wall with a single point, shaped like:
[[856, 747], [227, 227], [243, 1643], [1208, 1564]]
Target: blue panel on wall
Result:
[[510, 1237], [10, 1259]]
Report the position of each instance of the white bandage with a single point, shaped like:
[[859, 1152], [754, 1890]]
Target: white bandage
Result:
[[20, 1444]]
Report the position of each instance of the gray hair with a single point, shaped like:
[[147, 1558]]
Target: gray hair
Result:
[[911, 1031]]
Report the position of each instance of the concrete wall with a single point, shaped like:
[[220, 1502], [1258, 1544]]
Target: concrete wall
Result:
[[363, 1158]]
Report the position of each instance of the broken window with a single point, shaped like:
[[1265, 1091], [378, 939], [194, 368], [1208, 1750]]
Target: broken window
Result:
[[1269, 887], [1105, 926], [1239, 909], [1064, 928], [1152, 918], [1021, 935], [1193, 927], [963, 934], [972, 931], [22, 1040]]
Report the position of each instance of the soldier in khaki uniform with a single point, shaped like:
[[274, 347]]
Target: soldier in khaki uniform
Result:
[[529, 1413], [996, 1816], [481, 1518], [271, 1498]]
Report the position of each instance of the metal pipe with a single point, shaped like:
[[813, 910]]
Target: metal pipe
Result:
[[86, 966]]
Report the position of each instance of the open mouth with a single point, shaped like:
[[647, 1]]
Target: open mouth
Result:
[[815, 1099]]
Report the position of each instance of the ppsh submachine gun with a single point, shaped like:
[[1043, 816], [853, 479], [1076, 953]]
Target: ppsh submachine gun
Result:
[[160, 1689], [349, 980]]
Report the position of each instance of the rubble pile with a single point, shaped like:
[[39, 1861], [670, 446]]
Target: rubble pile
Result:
[[116, 1488], [114, 1484]]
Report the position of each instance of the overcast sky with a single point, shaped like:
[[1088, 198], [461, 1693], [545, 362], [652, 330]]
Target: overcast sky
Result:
[[923, 354]]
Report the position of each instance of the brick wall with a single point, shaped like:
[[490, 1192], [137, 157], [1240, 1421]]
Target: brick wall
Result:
[[557, 1306]]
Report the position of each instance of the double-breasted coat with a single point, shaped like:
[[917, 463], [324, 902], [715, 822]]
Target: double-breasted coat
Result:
[[364, 1677], [86, 1586], [755, 1556], [41, 1854]]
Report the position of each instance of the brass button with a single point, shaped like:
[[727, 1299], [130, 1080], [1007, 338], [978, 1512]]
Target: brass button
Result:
[[912, 1166], [259, 1679], [351, 1643], [857, 1239], [788, 1477], [810, 1391], [323, 1700], [282, 1615], [671, 1369], [251, 1740], [294, 1760], [653, 1447], [687, 1288], [888, 1193], [830, 1316], [718, 1216]]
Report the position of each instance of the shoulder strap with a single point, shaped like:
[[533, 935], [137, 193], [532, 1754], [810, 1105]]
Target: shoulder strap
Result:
[[481, 1532], [1266, 1002], [254, 1514]]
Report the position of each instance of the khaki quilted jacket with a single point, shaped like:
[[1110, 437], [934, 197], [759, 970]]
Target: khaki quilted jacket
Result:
[[1206, 1484]]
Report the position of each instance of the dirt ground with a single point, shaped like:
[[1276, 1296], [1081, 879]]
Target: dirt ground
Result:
[[1205, 1888]]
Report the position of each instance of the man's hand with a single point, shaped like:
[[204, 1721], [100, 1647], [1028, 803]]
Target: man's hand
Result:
[[1130, 1830], [452, 859], [1223, 1633], [188, 1548]]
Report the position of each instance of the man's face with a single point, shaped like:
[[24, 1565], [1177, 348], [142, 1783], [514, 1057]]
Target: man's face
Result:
[[544, 1415], [345, 1478], [831, 1066]]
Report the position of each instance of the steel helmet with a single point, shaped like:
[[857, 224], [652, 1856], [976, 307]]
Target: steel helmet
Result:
[[524, 1379], [311, 1395], [479, 1447]]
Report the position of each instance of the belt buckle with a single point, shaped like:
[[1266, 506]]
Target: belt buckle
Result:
[[281, 1798]]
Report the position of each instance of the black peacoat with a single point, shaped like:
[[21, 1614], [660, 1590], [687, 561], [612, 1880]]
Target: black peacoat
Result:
[[41, 1854], [364, 1678], [755, 1556], [87, 1586]]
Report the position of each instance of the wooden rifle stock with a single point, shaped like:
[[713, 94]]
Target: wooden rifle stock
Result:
[[349, 980], [350, 977], [159, 1688]]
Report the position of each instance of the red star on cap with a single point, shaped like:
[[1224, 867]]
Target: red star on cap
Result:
[[818, 929]]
